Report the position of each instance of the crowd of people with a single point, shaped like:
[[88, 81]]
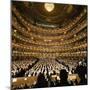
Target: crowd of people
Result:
[[44, 70], [20, 67], [46, 67]]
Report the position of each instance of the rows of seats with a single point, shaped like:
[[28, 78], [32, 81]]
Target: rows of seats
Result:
[[45, 69], [19, 67]]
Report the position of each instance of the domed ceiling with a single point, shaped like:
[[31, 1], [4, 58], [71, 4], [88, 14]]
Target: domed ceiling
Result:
[[38, 13]]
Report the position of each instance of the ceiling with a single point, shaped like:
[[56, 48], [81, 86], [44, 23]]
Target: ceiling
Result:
[[38, 15]]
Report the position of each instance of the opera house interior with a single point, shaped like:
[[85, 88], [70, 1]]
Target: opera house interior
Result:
[[49, 45]]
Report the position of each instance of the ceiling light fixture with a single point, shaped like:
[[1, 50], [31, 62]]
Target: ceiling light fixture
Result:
[[49, 7]]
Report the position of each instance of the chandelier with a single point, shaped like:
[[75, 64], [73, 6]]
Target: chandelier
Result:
[[49, 7]]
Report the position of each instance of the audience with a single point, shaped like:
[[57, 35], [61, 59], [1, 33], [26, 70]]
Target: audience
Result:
[[41, 81], [64, 78], [81, 69], [51, 73], [20, 67]]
